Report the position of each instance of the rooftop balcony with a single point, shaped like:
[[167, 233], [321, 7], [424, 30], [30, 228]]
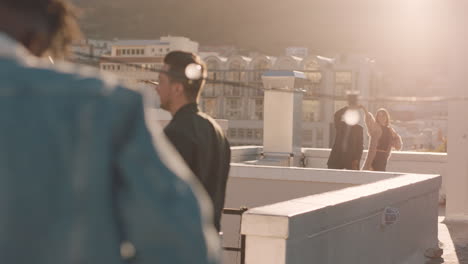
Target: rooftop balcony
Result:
[[314, 215]]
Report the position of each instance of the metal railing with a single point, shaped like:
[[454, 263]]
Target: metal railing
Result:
[[241, 249]]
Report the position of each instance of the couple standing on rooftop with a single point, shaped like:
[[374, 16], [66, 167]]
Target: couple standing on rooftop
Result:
[[81, 178], [348, 146]]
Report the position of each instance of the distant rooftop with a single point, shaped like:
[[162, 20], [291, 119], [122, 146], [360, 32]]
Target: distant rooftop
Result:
[[296, 74], [140, 42]]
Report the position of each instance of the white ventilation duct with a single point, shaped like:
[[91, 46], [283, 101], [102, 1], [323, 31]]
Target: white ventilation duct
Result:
[[282, 127]]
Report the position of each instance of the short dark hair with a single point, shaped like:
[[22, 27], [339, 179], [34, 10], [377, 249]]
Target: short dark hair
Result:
[[58, 17], [177, 62]]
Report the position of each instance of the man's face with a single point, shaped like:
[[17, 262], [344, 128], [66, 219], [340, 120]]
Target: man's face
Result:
[[165, 89]]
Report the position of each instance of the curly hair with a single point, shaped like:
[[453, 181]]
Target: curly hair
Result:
[[58, 16]]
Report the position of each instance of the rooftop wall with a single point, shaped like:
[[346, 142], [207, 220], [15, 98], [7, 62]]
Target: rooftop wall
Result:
[[245, 153], [345, 226], [400, 161], [254, 186]]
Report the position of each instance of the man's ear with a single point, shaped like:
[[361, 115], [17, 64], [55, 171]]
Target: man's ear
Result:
[[178, 89]]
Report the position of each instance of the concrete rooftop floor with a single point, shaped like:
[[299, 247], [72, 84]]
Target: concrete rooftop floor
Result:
[[453, 239]]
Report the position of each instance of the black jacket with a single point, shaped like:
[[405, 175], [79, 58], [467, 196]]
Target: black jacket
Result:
[[202, 144], [344, 153]]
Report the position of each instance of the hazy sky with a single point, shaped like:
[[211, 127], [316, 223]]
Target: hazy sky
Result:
[[394, 31]]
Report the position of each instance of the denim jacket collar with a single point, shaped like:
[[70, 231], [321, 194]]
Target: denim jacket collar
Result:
[[11, 49]]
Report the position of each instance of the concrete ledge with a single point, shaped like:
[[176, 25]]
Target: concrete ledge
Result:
[[245, 153], [400, 161], [330, 227], [308, 174], [396, 155]]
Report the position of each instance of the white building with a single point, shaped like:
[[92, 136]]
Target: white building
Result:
[[137, 60], [152, 48], [89, 51], [243, 105], [234, 90]]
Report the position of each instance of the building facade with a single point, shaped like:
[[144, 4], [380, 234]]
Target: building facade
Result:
[[234, 89], [134, 61], [234, 92]]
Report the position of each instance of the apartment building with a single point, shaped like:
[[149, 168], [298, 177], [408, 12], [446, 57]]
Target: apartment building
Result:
[[234, 90], [137, 60]]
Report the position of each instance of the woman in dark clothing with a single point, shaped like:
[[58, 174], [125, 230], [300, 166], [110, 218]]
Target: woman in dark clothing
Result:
[[383, 138]]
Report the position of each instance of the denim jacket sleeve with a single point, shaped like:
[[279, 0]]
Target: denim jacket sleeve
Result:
[[161, 212]]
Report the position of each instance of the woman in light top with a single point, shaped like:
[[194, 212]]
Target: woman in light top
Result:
[[383, 138]]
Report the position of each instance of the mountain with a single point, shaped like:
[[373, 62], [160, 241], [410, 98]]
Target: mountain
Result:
[[397, 31]]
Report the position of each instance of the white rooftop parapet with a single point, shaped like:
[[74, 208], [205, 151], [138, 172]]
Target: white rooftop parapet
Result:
[[400, 161], [389, 221]]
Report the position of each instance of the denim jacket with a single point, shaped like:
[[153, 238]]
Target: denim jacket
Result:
[[80, 178]]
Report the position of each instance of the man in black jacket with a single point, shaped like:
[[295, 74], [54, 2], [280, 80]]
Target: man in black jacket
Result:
[[196, 136], [347, 149]]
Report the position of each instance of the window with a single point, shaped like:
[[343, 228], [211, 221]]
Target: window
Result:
[[133, 52], [208, 90], [310, 110], [313, 71], [312, 89], [343, 77], [232, 108], [142, 51], [161, 50], [307, 136], [258, 133], [258, 92], [235, 69], [259, 68], [212, 66], [233, 114], [241, 132], [232, 132], [257, 113], [210, 106], [344, 82], [249, 133], [168, 49], [232, 90], [233, 103], [319, 134]]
